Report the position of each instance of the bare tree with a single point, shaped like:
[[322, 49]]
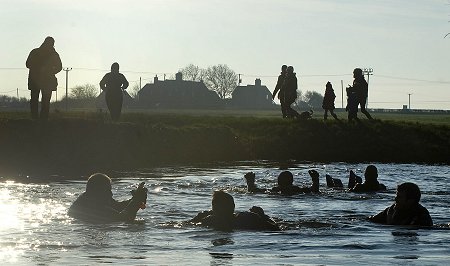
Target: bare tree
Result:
[[221, 79], [134, 91], [87, 91], [192, 72]]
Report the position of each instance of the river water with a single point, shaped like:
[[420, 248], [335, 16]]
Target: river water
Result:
[[330, 228]]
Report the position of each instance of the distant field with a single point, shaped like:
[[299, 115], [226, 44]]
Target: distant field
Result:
[[437, 118]]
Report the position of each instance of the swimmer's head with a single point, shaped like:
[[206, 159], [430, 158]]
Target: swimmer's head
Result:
[[250, 177], [99, 185], [222, 203], [285, 179], [410, 190], [371, 173]]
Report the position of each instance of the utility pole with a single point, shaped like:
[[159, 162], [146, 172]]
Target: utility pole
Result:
[[17, 93], [342, 93], [368, 72], [239, 80], [67, 69], [409, 101]]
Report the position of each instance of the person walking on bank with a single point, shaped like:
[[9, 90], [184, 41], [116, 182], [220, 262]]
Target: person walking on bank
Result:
[[328, 101], [362, 90], [278, 90], [289, 89], [44, 63], [114, 83]]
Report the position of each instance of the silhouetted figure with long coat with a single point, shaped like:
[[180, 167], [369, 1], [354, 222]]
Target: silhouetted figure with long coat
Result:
[[114, 83], [289, 90], [362, 90], [44, 63], [328, 101], [278, 90]]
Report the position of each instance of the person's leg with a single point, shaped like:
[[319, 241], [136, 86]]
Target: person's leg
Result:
[[109, 102], [119, 104], [114, 102], [291, 113], [333, 114], [45, 104], [34, 103], [283, 106], [363, 102]]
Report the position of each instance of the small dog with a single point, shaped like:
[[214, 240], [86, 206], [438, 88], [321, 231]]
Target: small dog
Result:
[[305, 115]]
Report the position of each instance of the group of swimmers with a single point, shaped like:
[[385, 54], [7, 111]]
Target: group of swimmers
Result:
[[97, 204]]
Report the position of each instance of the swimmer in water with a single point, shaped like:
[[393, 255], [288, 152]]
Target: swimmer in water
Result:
[[223, 217], [406, 210], [96, 204], [371, 183], [285, 185]]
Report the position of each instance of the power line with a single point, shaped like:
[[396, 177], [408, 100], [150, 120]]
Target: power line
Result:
[[420, 80], [245, 75]]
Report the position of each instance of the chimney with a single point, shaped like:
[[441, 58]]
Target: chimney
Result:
[[155, 79], [179, 76], [258, 82]]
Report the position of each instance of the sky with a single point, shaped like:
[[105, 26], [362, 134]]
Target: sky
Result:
[[402, 41]]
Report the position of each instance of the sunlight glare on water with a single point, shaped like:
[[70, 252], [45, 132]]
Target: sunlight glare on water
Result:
[[9, 221]]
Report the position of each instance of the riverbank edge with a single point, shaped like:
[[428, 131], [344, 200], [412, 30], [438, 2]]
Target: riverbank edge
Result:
[[82, 146]]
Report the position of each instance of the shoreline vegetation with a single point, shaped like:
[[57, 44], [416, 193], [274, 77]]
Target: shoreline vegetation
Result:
[[84, 142]]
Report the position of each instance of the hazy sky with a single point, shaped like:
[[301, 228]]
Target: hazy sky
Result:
[[402, 40]]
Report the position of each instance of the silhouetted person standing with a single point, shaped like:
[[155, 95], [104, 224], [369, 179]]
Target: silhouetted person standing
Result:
[[289, 90], [328, 101], [362, 90], [352, 104], [44, 63], [113, 83], [278, 90]]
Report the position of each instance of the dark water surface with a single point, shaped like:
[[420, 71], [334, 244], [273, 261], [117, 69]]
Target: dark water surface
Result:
[[329, 228]]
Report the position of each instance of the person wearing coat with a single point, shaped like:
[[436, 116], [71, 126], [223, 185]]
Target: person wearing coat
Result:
[[114, 83], [44, 63], [328, 101]]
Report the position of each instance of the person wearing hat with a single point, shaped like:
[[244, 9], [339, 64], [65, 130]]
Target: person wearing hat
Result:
[[44, 63], [97, 205]]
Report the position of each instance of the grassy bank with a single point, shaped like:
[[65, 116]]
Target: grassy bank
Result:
[[87, 142]]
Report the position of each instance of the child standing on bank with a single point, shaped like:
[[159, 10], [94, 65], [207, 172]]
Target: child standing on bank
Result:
[[328, 101]]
